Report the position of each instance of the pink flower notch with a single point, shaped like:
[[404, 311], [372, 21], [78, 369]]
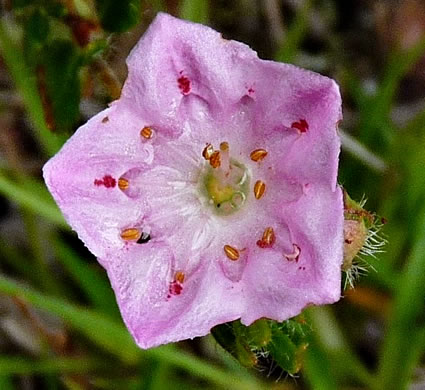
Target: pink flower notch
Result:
[[208, 190]]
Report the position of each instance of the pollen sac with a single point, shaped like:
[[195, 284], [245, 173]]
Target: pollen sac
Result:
[[207, 152], [231, 252], [259, 189], [131, 234], [123, 184], [215, 159], [146, 132], [258, 155], [179, 276], [268, 238]]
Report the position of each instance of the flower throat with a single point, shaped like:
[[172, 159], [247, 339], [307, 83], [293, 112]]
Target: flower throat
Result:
[[225, 181]]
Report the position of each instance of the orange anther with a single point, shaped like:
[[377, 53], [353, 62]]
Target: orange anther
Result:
[[258, 154], [131, 234], [231, 253], [123, 184], [179, 276], [259, 189], [215, 159], [146, 132]]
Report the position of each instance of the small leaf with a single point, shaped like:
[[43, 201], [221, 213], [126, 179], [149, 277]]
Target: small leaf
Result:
[[119, 16], [37, 27], [283, 351]]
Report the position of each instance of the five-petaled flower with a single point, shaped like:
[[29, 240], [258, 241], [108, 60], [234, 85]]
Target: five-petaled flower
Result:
[[208, 190]]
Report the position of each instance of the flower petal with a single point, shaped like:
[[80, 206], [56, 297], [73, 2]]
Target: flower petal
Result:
[[141, 278], [83, 177], [279, 287], [175, 59], [286, 95]]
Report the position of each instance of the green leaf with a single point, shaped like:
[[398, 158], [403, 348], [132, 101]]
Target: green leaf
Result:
[[21, 3], [195, 10], [37, 27], [106, 333], [96, 288], [26, 85], [406, 327], [283, 351], [13, 365], [32, 201], [119, 16], [62, 64], [114, 338]]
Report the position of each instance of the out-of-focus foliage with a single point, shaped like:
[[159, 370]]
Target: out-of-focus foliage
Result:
[[63, 61]]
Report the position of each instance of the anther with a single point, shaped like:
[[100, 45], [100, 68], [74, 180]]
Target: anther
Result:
[[179, 276], [268, 238], [258, 154], [146, 132], [231, 253], [259, 189], [294, 255], [207, 152], [123, 184], [131, 234], [224, 146], [215, 159]]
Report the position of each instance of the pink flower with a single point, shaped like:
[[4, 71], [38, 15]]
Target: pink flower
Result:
[[208, 190]]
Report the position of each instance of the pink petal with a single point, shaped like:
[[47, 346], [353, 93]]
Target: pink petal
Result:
[[141, 277], [103, 148], [173, 50], [279, 288]]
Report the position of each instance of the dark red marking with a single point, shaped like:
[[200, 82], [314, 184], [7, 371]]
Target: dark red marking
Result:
[[263, 244], [108, 181], [175, 288], [301, 125], [251, 90], [184, 84]]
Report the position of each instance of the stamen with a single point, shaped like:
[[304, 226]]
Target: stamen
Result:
[[268, 238], [123, 184], [258, 154], [131, 234], [231, 253], [146, 132], [179, 276], [215, 159], [225, 157], [259, 189], [207, 152], [294, 255]]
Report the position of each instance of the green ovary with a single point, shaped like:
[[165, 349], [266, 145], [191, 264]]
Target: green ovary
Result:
[[226, 191]]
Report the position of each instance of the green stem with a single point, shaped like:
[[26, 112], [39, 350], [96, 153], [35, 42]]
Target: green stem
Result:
[[405, 333], [26, 85], [330, 339], [13, 365], [29, 200]]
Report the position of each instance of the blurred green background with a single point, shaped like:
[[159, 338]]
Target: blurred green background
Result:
[[63, 61]]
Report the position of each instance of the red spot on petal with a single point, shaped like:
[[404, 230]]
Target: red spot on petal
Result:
[[108, 181], [264, 244], [251, 90], [175, 288], [184, 85], [301, 125]]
